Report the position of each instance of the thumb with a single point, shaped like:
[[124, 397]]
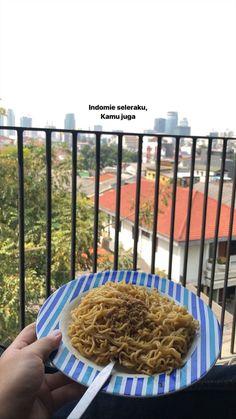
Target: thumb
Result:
[[44, 346]]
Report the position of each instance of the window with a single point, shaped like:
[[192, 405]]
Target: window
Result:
[[211, 250], [233, 247], [146, 234]]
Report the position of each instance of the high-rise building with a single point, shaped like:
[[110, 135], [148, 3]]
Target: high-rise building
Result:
[[214, 134], [186, 131], [11, 121], [183, 122], [171, 122], [160, 125], [69, 123], [183, 128], [97, 127], [2, 122], [26, 121], [55, 135]]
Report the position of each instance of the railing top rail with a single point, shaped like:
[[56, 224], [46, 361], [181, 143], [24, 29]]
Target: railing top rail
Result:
[[138, 134]]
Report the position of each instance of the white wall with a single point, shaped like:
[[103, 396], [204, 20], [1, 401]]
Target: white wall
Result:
[[193, 261], [125, 236], [162, 254], [145, 249]]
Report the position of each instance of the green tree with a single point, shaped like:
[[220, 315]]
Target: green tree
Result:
[[2, 110], [108, 156], [125, 260], [35, 233]]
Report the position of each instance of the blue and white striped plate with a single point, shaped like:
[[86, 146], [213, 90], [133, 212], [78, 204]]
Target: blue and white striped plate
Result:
[[201, 359]]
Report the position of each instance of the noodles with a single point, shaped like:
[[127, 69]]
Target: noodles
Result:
[[141, 329]]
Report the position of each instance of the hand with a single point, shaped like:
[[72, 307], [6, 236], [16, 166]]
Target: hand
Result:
[[25, 390]]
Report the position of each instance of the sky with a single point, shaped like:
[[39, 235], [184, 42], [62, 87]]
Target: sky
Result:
[[60, 56]]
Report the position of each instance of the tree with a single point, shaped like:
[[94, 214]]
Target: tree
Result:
[[108, 156], [2, 110], [125, 260], [35, 233], [146, 210]]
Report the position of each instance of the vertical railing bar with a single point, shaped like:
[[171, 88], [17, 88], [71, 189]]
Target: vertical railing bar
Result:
[[118, 198], [233, 326], [189, 211], [217, 221], [48, 211], [73, 204], [204, 213], [21, 226], [137, 203], [156, 203], [172, 222], [231, 223], [96, 201]]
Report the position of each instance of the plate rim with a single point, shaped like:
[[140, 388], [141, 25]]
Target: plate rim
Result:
[[100, 278]]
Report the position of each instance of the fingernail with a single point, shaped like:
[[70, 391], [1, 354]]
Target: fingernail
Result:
[[55, 333]]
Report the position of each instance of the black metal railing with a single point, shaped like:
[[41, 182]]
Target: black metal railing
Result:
[[120, 136]]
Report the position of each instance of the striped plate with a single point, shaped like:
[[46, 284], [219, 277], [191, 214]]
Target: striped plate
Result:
[[201, 359]]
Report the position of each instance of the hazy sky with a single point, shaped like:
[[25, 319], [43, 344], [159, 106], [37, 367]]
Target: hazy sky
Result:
[[170, 55]]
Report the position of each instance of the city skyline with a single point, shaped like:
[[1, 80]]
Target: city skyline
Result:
[[172, 56], [171, 124]]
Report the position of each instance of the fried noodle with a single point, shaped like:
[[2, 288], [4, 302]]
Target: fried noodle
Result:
[[139, 328]]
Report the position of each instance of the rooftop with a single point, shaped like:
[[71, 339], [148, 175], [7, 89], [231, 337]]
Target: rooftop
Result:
[[108, 202]]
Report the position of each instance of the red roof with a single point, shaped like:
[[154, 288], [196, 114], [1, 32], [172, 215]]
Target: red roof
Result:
[[127, 209], [105, 176]]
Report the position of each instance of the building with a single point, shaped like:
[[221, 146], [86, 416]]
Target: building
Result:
[[166, 167], [216, 158], [126, 234], [150, 146], [213, 191], [149, 149], [26, 122], [200, 171], [69, 123], [171, 122], [185, 131], [214, 134], [183, 128], [130, 142], [97, 127], [11, 120], [160, 125], [2, 122], [166, 174], [56, 136]]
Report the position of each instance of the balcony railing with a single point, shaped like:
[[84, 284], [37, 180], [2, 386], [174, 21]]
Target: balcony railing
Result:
[[206, 275]]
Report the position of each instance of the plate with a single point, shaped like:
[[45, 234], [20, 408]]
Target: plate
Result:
[[200, 359]]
